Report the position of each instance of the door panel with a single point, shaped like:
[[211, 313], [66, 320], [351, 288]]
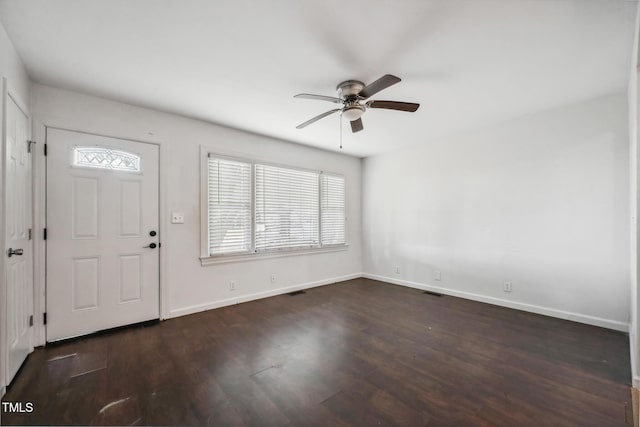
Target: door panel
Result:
[[102, 203], [84, 283], [18, 274], [130, 204], [84, 202], [130, 278]]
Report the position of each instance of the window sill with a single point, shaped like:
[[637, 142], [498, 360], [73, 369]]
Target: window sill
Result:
[[224, 259]]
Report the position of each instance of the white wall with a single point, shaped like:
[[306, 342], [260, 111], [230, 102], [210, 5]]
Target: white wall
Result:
[[633, 100], [189, 287], [13, 71], [542, 202], [633, 232], [11, 67]]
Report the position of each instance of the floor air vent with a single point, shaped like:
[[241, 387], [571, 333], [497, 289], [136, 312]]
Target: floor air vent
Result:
[[294, 293], [435, 294]]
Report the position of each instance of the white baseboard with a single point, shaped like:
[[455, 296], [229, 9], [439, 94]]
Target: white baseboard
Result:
[[635, 382], [259, 295], [566, 315]]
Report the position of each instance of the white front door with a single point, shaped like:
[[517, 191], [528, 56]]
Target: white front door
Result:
[[18, 251], [102, 233]]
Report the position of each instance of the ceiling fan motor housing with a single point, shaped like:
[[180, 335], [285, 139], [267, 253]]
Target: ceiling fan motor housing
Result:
[[349, 88]]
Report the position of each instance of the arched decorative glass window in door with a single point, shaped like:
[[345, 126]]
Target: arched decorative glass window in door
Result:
[[105, 158]]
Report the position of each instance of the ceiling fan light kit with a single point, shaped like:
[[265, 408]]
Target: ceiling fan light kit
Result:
[[353, 112], [353, 95]]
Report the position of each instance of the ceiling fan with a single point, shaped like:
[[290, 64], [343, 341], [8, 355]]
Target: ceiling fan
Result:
[[353, 95]]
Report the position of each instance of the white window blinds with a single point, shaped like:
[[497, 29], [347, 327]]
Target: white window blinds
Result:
[[286, 208], [229, 187], [332, 206]]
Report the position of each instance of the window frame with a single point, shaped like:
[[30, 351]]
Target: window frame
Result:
[[207, 259]]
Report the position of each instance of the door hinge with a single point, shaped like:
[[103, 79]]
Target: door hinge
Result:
[[44, 318], [31, 320], [45, 149], [45, 234], [29, 143], [30, 233]]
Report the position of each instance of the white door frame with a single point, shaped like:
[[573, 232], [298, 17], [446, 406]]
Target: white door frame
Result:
[[40, 221], [9, 92]]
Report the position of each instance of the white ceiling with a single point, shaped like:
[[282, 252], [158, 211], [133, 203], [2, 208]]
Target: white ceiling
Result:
[[239, 62]]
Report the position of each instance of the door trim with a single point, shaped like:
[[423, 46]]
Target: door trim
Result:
[[4, 348], [39, 223], [40, 245], [8, 92]]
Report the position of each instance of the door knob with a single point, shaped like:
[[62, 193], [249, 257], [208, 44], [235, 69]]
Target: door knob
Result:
[[151, 245], [12, 252]]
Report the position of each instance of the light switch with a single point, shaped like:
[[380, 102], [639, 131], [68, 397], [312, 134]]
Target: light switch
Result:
[[177, 218]]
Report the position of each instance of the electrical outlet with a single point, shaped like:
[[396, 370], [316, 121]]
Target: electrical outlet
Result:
[[508, 287], [438, 275], [177, 218], [273, 278], [397, 269], [232, 286]]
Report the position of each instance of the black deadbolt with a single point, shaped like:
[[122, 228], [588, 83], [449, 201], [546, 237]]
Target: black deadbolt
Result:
[[152, 233]]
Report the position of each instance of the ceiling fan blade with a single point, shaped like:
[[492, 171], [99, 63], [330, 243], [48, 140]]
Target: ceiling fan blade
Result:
[[380, 84], [318, 97], [316, 118], [394, 105], [356, 125]]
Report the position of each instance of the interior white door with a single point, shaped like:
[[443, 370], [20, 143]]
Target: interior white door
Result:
[[18, 251], [102, 233]]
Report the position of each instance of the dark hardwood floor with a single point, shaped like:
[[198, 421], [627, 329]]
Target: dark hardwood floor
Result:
[[361, 353]]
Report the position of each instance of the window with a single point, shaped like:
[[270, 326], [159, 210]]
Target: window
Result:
[[256, 208], [106, 158], [229, 195], [286, 208], [332, 209]]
